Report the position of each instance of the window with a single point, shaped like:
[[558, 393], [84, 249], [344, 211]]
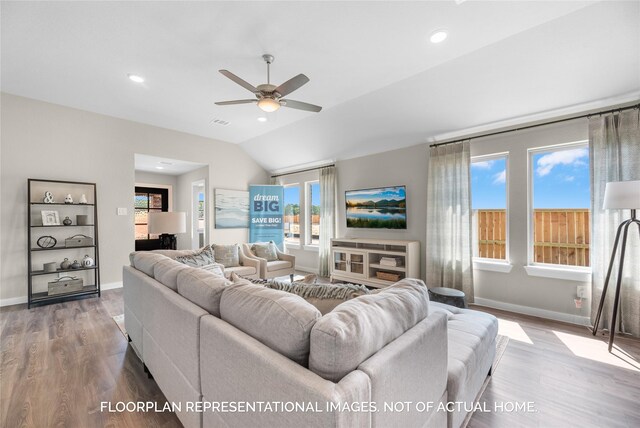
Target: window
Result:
[[292, 214], [313, 213], [489, 205], [148, 199], [560, 201]]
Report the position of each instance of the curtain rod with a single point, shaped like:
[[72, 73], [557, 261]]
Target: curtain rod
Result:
[[538, 124], [303, 170]]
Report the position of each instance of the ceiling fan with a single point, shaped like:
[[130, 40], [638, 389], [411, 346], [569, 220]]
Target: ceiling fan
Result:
[[268, 96]]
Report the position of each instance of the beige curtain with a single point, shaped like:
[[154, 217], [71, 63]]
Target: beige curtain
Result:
[[328, 185], [449, 219], [614, 145]]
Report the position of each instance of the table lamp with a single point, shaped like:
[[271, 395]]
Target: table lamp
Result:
[[618, 195], [167, 224]]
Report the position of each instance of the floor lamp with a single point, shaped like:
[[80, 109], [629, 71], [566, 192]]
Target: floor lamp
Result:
[[618, 195], [167, 224]]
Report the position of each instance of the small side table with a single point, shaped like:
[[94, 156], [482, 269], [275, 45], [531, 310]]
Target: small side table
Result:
[[448, 296]]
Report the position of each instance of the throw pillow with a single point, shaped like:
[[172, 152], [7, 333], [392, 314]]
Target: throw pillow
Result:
[[227, 255], [203, 257], [266, 250], [214, 268]]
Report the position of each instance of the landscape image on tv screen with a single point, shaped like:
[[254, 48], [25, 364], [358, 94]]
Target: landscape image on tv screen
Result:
[[381, 208]]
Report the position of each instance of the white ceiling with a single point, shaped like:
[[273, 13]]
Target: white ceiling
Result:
[[165, 166], [380, 81]]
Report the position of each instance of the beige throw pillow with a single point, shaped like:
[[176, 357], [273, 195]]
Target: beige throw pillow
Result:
[[265, 250]]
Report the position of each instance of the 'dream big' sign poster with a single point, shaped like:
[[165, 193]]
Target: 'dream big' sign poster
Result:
[[266, 209]]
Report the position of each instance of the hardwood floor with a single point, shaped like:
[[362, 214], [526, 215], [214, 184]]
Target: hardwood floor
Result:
[[566, 372], [58, 362]]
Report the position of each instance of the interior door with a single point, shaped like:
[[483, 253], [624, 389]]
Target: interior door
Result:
[[146, 200]]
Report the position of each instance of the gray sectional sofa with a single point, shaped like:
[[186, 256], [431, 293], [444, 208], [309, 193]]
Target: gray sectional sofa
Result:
[[208, 339]]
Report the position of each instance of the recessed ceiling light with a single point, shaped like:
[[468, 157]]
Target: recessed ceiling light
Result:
[[135, 78], [438, 36], [262, 119], [159, 167]]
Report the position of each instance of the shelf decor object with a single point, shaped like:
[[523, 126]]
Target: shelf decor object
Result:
[[374, 262], [167, 224], [618, 195], [49, 284]]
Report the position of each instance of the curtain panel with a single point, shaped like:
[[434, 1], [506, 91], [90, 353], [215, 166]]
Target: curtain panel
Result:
[[448, 251], [614, 146], [328, 193]]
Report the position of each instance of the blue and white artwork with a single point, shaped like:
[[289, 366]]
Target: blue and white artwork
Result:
[[232, 209]]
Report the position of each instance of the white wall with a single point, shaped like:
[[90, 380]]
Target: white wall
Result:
[[518, 288], [42, 140], [184, 203], [406, 166]]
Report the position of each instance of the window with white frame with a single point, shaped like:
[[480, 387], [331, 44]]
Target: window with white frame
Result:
[[560, 200], [313, 213], [292, 214], [489, 204]]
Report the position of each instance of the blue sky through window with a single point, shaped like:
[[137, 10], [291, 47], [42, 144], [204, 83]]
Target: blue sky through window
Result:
[[292, 195], [315, 194], [488, 184], [561, 179]]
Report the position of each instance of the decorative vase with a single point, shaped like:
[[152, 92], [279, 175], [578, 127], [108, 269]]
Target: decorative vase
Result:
[[67, 221], [87, 261], [68, 199], [75, 265], [83, 199], [66, 264]]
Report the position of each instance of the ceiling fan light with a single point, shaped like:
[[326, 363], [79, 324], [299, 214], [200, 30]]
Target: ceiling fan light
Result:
[[268, 105]]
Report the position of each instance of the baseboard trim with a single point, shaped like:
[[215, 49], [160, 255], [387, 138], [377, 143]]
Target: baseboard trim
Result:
[[535, 312], [23, 299], [307, 269]]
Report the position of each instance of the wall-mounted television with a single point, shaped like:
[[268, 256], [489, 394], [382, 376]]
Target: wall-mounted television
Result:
[[378, 208]]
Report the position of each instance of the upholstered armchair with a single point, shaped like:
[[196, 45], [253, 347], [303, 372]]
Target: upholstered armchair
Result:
[[285, 265]]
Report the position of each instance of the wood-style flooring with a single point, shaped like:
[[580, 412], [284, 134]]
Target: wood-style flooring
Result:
[[58, 362]]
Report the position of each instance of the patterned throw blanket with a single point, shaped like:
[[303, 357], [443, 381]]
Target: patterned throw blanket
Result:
[[318, 291]]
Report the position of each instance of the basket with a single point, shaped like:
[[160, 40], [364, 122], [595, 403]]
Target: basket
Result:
[[388, 276]]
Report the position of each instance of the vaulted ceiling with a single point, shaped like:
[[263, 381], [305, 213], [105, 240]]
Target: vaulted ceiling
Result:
[[382, 84]]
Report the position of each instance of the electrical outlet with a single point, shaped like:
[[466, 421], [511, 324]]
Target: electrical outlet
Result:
[[582, 291], [122, 211]]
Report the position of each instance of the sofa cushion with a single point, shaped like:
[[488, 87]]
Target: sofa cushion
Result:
[[358, 328], [202, 257], [166, 272], [471, 334], [265, 250], [144, 261], [280, 320], [202, 288], [227, 255], [278, 265]]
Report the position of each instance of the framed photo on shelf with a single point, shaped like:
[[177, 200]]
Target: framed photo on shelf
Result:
[[50, 218]]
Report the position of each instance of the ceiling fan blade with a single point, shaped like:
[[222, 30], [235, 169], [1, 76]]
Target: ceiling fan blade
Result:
[[300, 105], [230, 103], [239, 81], [291, 85]]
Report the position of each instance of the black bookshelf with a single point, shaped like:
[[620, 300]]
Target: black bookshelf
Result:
[[36, 229]]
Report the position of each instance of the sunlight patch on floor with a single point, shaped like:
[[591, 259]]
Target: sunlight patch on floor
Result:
[[512, 330], [597, 350]]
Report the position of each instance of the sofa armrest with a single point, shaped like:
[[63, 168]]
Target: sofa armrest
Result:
[[249, 261], [287, 257], [246, 250]]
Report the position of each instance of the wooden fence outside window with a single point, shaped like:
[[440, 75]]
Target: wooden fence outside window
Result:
[[561, 236]]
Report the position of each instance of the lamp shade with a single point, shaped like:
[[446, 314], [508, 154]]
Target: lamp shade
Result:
[[620, 195], [167, 222]]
